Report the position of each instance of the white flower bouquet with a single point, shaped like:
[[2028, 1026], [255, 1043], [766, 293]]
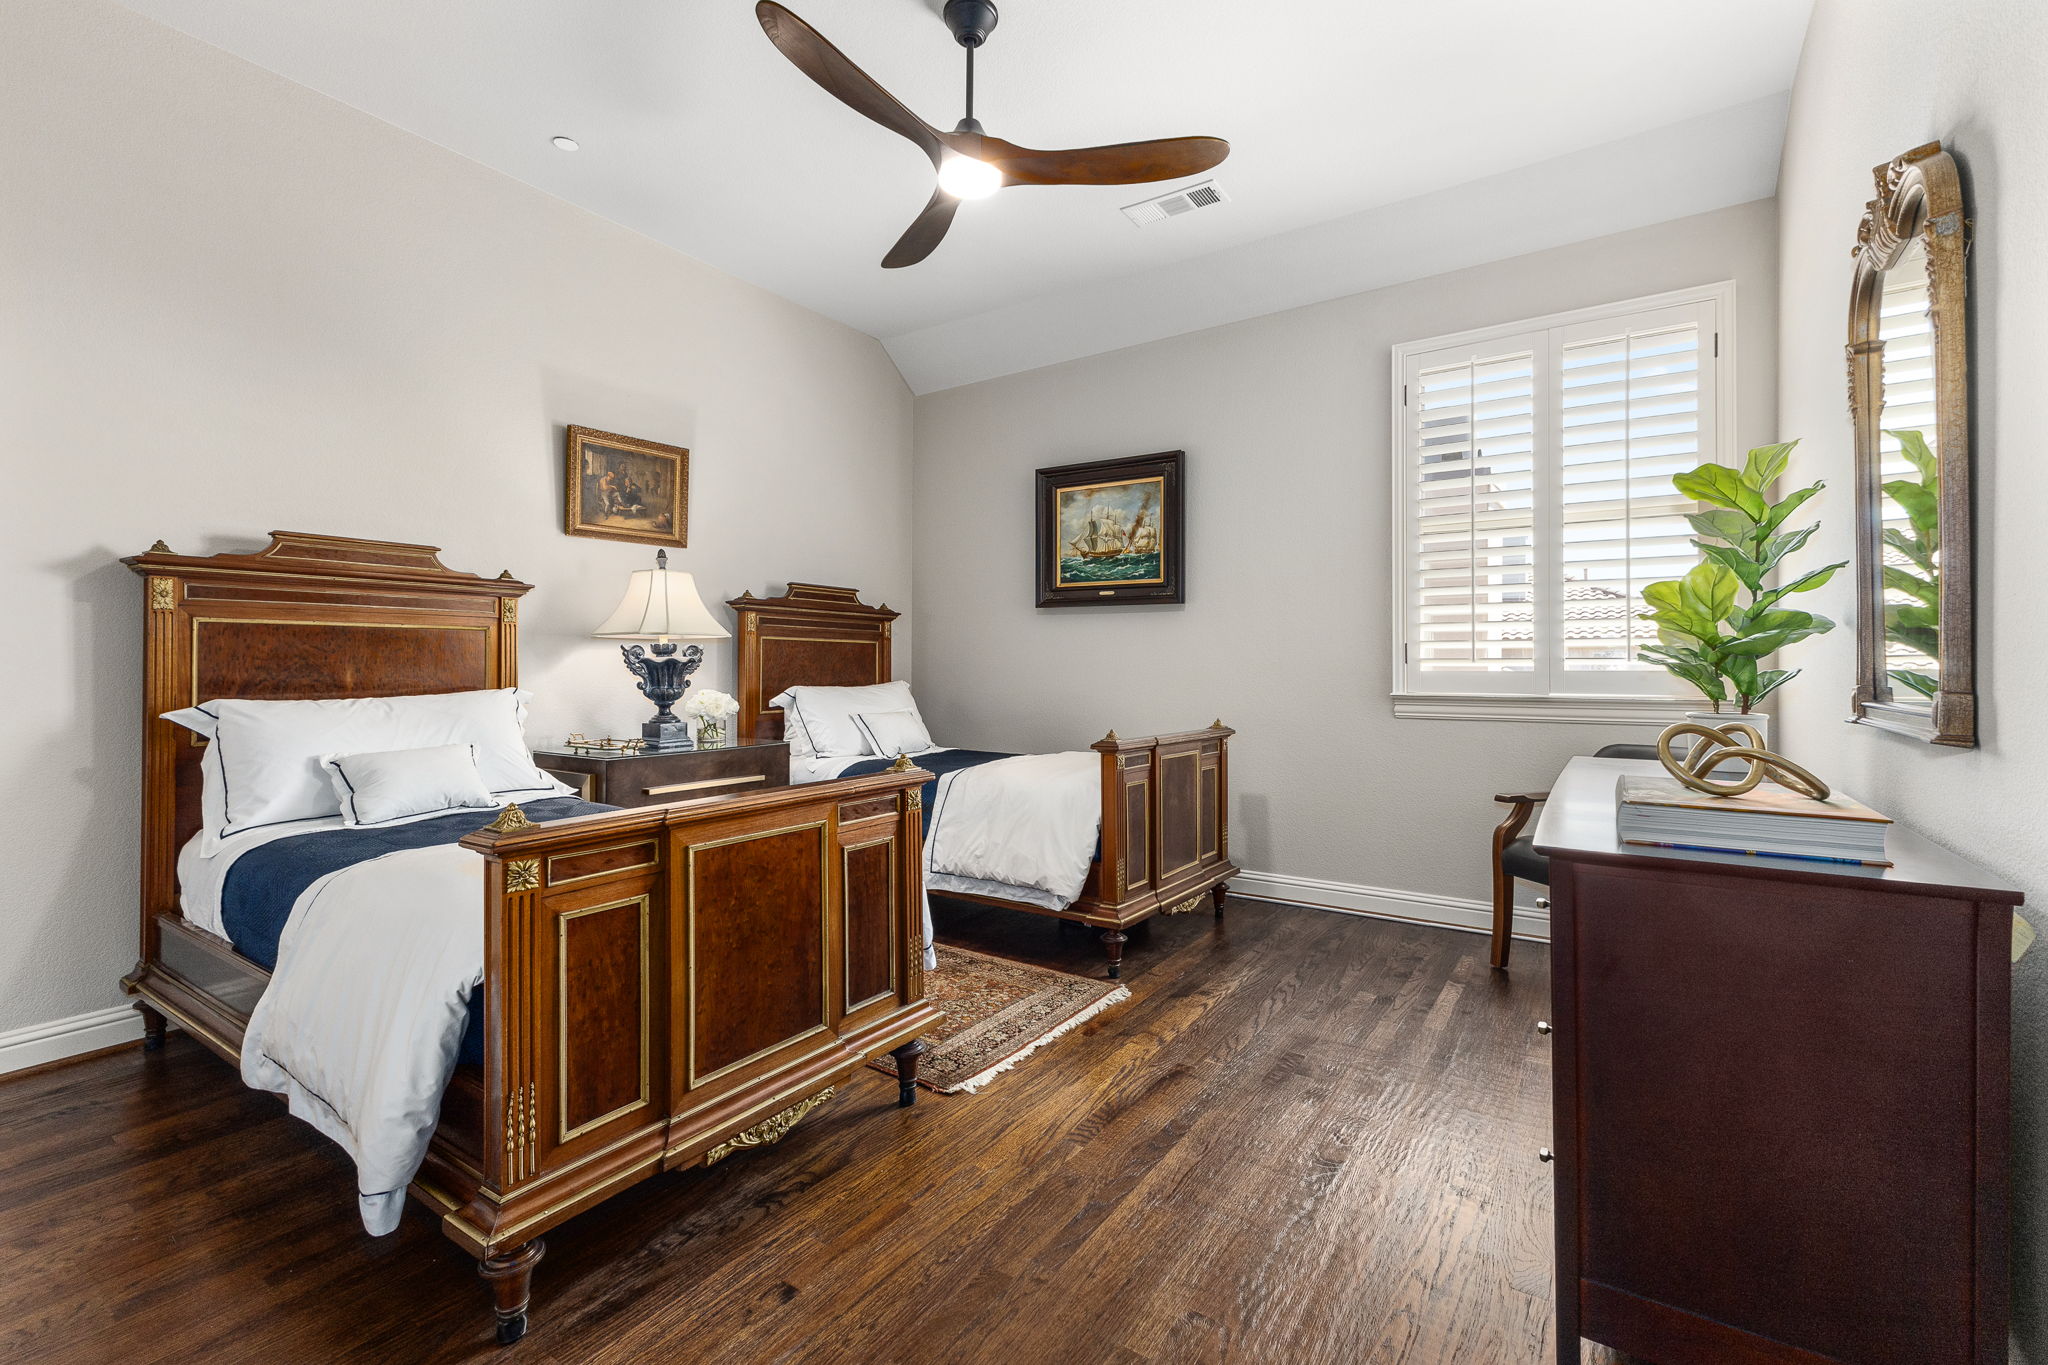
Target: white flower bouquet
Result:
[[709, 709]]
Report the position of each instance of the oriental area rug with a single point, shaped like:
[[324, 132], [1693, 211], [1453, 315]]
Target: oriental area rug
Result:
[[997, 1013]]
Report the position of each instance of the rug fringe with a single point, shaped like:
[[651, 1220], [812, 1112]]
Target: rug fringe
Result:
[[981, 1078]]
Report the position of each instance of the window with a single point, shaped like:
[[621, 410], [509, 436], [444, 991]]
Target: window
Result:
[[1533, 502]]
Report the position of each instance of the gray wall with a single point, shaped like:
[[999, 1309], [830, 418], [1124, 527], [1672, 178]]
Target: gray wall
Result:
[[1879, 77], [232, 304], [1286, 629]]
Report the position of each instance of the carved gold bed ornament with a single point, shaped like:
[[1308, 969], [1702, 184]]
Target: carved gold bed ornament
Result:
[[1909, 401], [770, 1130], [1732, 742]]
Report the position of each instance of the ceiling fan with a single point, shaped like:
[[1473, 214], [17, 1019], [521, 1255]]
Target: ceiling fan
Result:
[[970, 163]]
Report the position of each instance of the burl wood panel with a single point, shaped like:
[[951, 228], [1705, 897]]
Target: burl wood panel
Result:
[[870, 872], [271, 661], [1212, 808], [1785, 1139], [1180, 794], [1137, 834], [603, 999], [756, 908], [573, 867]]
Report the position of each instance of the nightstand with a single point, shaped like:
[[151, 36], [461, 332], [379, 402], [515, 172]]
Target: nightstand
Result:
[[738, 765]]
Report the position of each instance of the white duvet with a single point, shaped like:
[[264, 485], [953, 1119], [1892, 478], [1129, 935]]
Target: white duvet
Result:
[[362, 1021], [1029, 822]]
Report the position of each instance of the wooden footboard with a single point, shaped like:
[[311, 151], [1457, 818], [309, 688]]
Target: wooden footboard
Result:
[[1165, 830], [669, 985]]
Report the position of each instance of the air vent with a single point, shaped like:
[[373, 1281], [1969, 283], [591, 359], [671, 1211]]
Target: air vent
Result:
[[1149, 211]]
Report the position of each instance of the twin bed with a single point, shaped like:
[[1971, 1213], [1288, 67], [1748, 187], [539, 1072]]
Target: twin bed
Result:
[[656, 988]]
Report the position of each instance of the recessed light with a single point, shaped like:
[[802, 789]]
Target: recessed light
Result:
[[565, 144]]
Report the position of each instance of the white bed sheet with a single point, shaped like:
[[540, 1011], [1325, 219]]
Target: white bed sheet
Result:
[[202, 876]]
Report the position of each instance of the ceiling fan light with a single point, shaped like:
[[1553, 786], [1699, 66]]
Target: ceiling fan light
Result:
[[965, 178]]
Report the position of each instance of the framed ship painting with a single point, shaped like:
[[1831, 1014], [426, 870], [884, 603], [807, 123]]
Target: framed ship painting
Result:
[[1110, 532], [620, 488]]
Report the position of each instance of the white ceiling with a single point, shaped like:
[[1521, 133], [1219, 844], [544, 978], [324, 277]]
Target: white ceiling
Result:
[[697, 132]]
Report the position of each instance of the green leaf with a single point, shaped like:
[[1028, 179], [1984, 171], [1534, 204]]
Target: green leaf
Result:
[[1775, 517], [1921, 507], [1766, 463], [1722, 487], [1910, 547], [1700, 674], [1757, 645], [1737, 563], [1708, 590], [1663, 595], [1806, 582], [1777, 547], [1913, 445], [1741, 671], [1917, 628], [1912, 585], [1770, 680], [1926, 684], [1721, 524]]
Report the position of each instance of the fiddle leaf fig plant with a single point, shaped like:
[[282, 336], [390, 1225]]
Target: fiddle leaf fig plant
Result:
[[1915, 624], [1706, 633]]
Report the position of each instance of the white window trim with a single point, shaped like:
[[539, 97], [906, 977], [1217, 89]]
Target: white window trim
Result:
[[1658, 708]]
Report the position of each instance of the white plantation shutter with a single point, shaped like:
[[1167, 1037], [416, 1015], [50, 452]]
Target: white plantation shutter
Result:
[[1907, 331], [1534, 497], [1474, 430]]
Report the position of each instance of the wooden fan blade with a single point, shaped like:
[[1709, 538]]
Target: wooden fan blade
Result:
[[1126, 163], [924, 234], [840, 78]]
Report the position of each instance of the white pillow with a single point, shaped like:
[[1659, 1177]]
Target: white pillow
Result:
[[399, 786], [800, 746], [263, 766], [827, 714], [890, 733]]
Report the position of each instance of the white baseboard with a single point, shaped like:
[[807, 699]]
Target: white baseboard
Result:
[[60, 1038], [1413, 907]]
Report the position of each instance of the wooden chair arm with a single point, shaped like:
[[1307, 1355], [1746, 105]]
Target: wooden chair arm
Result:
[[1524, 799]]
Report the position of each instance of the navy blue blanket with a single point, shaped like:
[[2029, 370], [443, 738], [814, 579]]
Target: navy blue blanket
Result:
[[266, 882], [939, 764]]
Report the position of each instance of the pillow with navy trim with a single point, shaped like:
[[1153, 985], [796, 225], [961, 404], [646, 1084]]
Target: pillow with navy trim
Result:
[[827, 714], [890, 733], [263, 762], [399, 786], [800, 746]]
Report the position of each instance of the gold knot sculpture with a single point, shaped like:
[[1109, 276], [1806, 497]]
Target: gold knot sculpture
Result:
[[1738, 741]]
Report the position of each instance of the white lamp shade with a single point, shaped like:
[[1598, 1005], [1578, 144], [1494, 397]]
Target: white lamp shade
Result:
[[661, 604]]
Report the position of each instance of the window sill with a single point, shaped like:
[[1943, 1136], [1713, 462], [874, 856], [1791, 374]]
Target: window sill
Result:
[[1557, 710]]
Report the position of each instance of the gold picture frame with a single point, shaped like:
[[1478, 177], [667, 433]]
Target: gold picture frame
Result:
[[623, 488]]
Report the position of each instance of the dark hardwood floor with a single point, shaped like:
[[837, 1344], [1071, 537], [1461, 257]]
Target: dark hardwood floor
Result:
[[1309, 1138]]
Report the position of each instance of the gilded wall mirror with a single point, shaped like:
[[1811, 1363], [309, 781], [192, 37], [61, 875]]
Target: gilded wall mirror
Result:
[[1909, 397]]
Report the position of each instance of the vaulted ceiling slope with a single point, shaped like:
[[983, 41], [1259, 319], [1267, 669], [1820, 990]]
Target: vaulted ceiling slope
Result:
[[695, 131]]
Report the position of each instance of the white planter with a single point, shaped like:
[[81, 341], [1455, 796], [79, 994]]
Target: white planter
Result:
[[1733, 770]]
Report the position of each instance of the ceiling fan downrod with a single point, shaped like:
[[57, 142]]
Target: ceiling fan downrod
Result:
[[971, 21]]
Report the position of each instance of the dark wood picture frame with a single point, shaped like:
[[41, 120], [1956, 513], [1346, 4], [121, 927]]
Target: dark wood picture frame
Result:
[[1154, 519], [664, 486]]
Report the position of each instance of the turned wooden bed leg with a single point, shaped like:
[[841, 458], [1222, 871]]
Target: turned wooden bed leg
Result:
[[907, 1058], [1220, 891], [153, 1025], [1113, 944], [510, 1275]]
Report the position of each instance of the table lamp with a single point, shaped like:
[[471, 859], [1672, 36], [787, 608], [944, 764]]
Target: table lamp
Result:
[[661, 604]]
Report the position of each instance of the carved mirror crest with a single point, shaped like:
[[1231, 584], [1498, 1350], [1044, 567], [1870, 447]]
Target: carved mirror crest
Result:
[[1909, 391]]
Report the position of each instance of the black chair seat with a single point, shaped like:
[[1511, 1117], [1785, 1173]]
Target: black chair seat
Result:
[[1648, 751], [1520, 859]]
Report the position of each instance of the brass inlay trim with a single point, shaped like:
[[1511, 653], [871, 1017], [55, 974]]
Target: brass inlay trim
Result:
[[199, 621], [707, 782], [913, 800], [521, 1132], [1186, 905], [522, 874], [508, 609], [770, 1130], [553, 880], [562, 1127], [163, 594], [1194, 757], [690, 934], [846, 901]]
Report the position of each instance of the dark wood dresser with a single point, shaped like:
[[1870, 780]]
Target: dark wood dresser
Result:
[[1780, 1098], [738, 765]]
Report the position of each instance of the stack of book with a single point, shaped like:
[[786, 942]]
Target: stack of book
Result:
[[1770, 821]]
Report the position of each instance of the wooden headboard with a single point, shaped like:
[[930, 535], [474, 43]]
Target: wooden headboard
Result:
[[812, 636], [307, 617]]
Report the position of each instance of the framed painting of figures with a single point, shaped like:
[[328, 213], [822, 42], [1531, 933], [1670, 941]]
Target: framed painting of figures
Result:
[[621, 488], [1110, 532]]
